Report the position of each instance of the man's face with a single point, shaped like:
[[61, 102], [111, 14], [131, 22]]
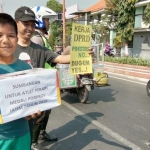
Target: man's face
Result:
[[25, 29], [8, 40], [47, 23]]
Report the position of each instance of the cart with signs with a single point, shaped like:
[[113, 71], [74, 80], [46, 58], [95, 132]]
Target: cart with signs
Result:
[[82, 84]]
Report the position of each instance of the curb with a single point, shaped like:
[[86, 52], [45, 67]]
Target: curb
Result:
[[128, 71]]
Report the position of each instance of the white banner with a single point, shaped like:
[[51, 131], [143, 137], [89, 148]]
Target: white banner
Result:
[[25, 92]]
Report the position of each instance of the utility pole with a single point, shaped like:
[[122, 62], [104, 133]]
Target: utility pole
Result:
[[1, 5], [64, 24]]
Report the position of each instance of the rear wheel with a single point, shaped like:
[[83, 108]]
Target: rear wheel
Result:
[[148, 88], [82, 94]]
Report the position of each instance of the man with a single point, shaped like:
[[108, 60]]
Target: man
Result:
[[25, 19]]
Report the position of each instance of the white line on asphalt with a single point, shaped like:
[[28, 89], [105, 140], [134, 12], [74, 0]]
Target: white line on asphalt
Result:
[[128, 80], [104, 128]]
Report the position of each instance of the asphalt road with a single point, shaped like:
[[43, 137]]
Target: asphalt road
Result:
[[117, 119]]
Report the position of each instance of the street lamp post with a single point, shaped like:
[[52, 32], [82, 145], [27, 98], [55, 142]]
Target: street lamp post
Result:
[[64, 24]]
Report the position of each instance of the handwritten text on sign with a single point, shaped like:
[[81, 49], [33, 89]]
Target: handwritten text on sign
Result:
[[81, 61]]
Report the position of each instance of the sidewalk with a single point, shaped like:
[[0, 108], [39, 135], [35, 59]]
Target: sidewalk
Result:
[[135, 71]]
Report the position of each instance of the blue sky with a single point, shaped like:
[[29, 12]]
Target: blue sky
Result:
[[10, 6]]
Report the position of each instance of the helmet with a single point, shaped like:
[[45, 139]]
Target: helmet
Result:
[[43, 12]]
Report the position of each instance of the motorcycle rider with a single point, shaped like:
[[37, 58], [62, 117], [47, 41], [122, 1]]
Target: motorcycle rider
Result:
[[107, 48], [43, 16]]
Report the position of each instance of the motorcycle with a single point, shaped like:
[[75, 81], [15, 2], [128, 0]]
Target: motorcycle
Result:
[[79, 85], [84, 85], [109, 52], [148, 88]]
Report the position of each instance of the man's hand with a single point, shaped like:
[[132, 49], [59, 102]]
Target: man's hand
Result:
[[91, 52], [33, 115]]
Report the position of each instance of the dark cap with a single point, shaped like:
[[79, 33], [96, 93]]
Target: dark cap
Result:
[[25, 14]]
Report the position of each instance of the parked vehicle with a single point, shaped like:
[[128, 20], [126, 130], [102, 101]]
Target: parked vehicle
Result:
[[148, 88]]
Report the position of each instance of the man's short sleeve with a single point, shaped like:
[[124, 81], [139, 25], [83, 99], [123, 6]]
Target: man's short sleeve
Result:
[[50, 56]]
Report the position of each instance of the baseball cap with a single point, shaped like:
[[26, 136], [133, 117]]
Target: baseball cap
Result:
[[25, 14]]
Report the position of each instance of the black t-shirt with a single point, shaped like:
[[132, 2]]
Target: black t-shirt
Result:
[[38, 55]]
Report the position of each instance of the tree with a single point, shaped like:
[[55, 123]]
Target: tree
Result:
[[54, 5], [68, 31], [112, 6], [101, 27], [147, 14], [56, 27], [56, 33], [125, 11]]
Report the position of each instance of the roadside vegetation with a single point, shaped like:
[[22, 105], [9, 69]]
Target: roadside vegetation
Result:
[[128, 60]]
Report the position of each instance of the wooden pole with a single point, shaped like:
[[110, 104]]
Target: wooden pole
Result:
[[64, 24]]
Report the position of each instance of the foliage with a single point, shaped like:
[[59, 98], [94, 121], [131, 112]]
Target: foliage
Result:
[[125, 11], [56, 27], [112, 6], [118, 41], [54, 5], [56, 34], [147, 14], [68, 31], [56, 31], [101, 28], [128, 60]]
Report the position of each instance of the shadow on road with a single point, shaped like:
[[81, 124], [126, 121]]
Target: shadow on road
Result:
[[77, 134], [104, 94]]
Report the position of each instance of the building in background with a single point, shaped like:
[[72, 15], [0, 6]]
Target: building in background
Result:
[[141, 41], [70, 10]]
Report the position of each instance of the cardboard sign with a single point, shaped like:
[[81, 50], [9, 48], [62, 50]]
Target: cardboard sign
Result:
[[66, 80], [25, 92], [81, 61]]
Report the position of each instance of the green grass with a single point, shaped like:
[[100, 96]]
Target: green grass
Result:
[[128, 60]]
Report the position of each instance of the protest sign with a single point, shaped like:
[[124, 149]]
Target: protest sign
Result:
[[81, 61], [25, 92]]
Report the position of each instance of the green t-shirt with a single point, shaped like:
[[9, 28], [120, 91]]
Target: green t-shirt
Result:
[[18, 127]]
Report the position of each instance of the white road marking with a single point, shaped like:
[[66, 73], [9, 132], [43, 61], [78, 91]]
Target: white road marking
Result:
[[127, 80], [104, 128]]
